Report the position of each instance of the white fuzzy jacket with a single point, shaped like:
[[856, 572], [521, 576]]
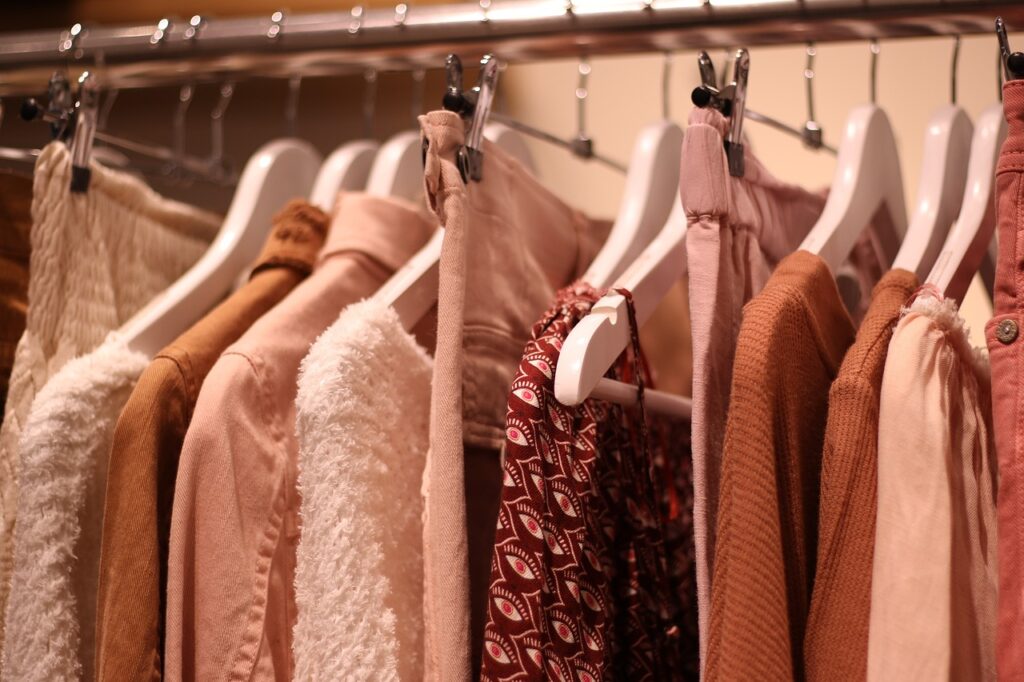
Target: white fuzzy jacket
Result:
[[363, 428], [97, 258], [65, 449]]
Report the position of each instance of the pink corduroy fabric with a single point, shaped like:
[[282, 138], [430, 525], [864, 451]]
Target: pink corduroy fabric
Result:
[[235, 520], [1006, 351], [739, 229]]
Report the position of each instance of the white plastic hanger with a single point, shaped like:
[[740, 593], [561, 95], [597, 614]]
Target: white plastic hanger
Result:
[[347, 168], [971, 235], [398, 168], [867, 178], [947, 147], [600, 337], [279, 171], [412, 291], [652, 189]]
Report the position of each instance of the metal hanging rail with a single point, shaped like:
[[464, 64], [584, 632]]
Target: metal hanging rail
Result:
[[405, 37]]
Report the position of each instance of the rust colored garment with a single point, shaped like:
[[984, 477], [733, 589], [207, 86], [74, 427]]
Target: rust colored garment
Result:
[[791, 342], [15, 225], [148, 441], [592, 572], [1006, 351], [836, 640]]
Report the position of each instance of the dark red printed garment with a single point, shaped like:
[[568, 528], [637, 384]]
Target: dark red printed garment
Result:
[[592, 575]]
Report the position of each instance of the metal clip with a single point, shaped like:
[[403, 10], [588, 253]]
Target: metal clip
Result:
[[69, 40], [60, 105], [401, 14], [731, 100], [85, 132], [812, 134], [195, 25], [355, 24], [474, 106], [276, 21], [162, 27], [1013, 63], [734, 141]]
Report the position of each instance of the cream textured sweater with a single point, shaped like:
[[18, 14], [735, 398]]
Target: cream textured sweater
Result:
[[65, 448], [363, 410], [97, 258]]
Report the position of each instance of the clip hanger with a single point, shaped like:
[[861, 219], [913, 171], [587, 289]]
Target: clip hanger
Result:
[[85, 131], [731, 100], [473, 105], [1013, 62]]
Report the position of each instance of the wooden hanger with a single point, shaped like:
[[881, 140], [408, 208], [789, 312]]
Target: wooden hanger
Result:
[[972, 232], [947, 146], [867, 178], [279, 171]]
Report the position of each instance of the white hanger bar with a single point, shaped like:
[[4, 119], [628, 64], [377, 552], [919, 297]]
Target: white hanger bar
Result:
[[407, 35], [600, 337], [971, 235], [947, 147]]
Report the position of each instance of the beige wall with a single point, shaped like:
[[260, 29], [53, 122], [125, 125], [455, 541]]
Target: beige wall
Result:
[[625, 94]]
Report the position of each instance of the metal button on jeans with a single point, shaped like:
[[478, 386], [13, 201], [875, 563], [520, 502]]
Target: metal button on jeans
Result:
[[1006, 331]]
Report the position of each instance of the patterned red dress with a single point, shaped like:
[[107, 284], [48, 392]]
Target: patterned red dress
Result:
[[592, 575]]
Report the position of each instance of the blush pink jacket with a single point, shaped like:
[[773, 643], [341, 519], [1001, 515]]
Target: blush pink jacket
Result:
[[235, 521]]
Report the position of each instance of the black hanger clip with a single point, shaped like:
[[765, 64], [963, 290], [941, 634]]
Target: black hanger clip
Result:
[[474, 106], [1013, 62], [731, 100]]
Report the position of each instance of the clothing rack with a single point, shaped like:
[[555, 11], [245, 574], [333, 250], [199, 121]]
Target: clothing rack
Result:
[[172, 51]]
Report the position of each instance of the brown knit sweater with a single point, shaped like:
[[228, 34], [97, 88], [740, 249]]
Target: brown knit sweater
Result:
[[836, 640], [791, 342]]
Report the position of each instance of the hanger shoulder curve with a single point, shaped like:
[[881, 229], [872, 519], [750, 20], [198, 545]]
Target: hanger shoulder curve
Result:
[[971, 234], [592, 348], [346, 169], [652, 189], [947, 149], [278, 172], [398, 167], [412, 291], [867, 177]]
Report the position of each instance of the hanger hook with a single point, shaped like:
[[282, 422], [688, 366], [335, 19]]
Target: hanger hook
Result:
[[108, 106], [291, 109], [185, 95], [812, 129], [876, 49], [999, 73], [582, 146], [369, 100], [1012, 62], [666, 80], [419, 79], [953, 70], [216, 161]]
